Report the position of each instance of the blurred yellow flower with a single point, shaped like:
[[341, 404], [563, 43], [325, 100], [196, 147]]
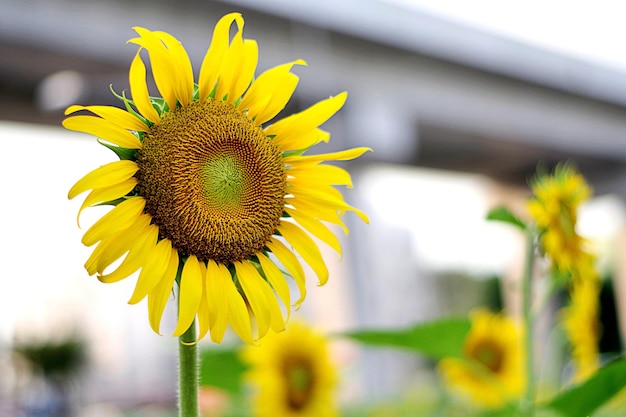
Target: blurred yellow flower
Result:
[[554, 207], [205, 193], [581, 323], [292, 374], [491, 372]]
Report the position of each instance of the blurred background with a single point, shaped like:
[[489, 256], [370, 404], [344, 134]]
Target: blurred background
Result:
[[460, 101]]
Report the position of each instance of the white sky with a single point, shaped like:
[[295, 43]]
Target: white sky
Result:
[[591, 30]]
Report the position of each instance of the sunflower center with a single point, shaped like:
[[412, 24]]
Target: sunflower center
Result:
[[300, 381], [213, 182], [489, 354], [224, 181]]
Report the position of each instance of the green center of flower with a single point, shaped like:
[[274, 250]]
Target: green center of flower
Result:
[[213, 182], [223, 181], [489, 354], [300, 383]]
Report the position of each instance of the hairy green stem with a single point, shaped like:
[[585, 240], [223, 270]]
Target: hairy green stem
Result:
[[188, 379], [529, 323]]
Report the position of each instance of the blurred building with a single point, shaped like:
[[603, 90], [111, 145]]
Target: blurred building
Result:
[[423, 92]]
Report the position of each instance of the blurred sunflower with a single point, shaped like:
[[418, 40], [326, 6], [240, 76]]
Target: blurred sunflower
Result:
[[491, 372], [582, 325], [554, 207], [205, 194], [292, 374]]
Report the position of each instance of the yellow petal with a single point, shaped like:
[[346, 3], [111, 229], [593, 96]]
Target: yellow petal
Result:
[[302, 141], [163, 69], [276, 279], [204, 318], [237, 68], [104, 176], [119, 218], [306, 247], [316, 228], [217, 303], [104, 194], [114, 246], [120, 118], [261, 299], [181, 63], [156, 264], [90, 264], [238, 314], [212, 63], [328, 197], [346, 155], [103, 129], [247, 69], [277, 84], [137, 256], [289, 129], [291, 263], [157, 298], [326, 174], [190, 294], [315, 210], [139, 90], [226, 304]]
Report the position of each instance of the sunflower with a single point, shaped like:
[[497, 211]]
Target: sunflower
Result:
[[292, 374], [554, 207], [206, 194], [491, 371], [582, 325]]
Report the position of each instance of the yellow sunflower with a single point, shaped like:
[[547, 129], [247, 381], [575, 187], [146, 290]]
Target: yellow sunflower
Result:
[[554, 207], [491, 372], [206, 193], [582, 326], [292, 374]]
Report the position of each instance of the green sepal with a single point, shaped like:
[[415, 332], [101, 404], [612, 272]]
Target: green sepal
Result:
[[129, 104], [160, 105], [111, 202], [298, 152], [122, 153], [435, 339], [196, 93], [503, 214], [584, 399], [213, 91]]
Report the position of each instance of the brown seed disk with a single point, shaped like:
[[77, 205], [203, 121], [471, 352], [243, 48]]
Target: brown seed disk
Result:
[[213, 182]]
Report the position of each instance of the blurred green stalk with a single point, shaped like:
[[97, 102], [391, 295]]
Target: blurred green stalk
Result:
[[529, 321]]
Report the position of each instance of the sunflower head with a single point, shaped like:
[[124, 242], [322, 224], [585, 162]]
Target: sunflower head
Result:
[[211, 193], [554, 207], [491, 371], [292, 374]]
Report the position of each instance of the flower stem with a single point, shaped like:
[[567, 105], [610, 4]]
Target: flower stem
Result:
[[188, 373], [529, 323]]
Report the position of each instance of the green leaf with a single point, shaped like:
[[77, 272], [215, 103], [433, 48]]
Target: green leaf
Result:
[[503, 214], [435, 339], [584, 399], [221, 368]]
